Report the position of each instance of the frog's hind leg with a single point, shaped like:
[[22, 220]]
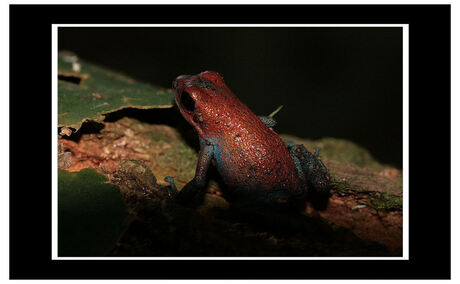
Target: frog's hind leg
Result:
[[310, 167]]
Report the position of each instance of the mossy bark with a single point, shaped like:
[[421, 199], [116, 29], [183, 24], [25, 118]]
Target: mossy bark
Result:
[[363, 216]]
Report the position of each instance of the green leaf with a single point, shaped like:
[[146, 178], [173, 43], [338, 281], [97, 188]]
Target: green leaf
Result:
[[91, 214], [87, 92]]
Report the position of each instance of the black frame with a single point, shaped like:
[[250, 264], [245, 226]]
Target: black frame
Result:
[[429, 112]]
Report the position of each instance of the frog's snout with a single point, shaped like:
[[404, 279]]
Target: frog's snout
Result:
[[178, 86]]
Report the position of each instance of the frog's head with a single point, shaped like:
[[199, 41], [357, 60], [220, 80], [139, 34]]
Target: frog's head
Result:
[[202, 99]]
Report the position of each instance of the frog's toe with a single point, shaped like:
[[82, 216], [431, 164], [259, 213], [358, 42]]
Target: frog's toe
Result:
[[170, 180], [316, 154]]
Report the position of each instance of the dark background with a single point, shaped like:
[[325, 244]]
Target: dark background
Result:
[[333, 82]]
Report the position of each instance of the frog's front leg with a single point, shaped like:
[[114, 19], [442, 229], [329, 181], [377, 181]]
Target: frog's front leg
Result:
[[199, 181]]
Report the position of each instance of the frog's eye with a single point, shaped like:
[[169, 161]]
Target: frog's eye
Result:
[[212, 76], [187, 103]]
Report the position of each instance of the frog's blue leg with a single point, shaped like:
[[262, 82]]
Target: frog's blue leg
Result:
[[310, 167], [199, 181]]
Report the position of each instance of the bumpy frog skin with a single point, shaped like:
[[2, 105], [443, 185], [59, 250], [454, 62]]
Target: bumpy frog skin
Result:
[[251, 158]]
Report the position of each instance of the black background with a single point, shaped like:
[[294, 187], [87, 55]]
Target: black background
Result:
[[334, 82], [429, 143]]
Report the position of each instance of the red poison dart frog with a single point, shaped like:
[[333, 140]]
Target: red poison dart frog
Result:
[[251, 158]]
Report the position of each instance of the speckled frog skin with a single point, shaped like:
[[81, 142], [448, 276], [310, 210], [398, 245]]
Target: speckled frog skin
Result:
[[251, 158]]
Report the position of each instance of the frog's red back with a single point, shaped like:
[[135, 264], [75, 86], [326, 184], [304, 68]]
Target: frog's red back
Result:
[[248, 154]]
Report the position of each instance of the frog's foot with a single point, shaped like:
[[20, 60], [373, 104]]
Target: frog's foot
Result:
[[172, 191], [310, 167], [187, 192]]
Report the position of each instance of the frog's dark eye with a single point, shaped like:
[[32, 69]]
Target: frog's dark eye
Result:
[[187, 103]]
